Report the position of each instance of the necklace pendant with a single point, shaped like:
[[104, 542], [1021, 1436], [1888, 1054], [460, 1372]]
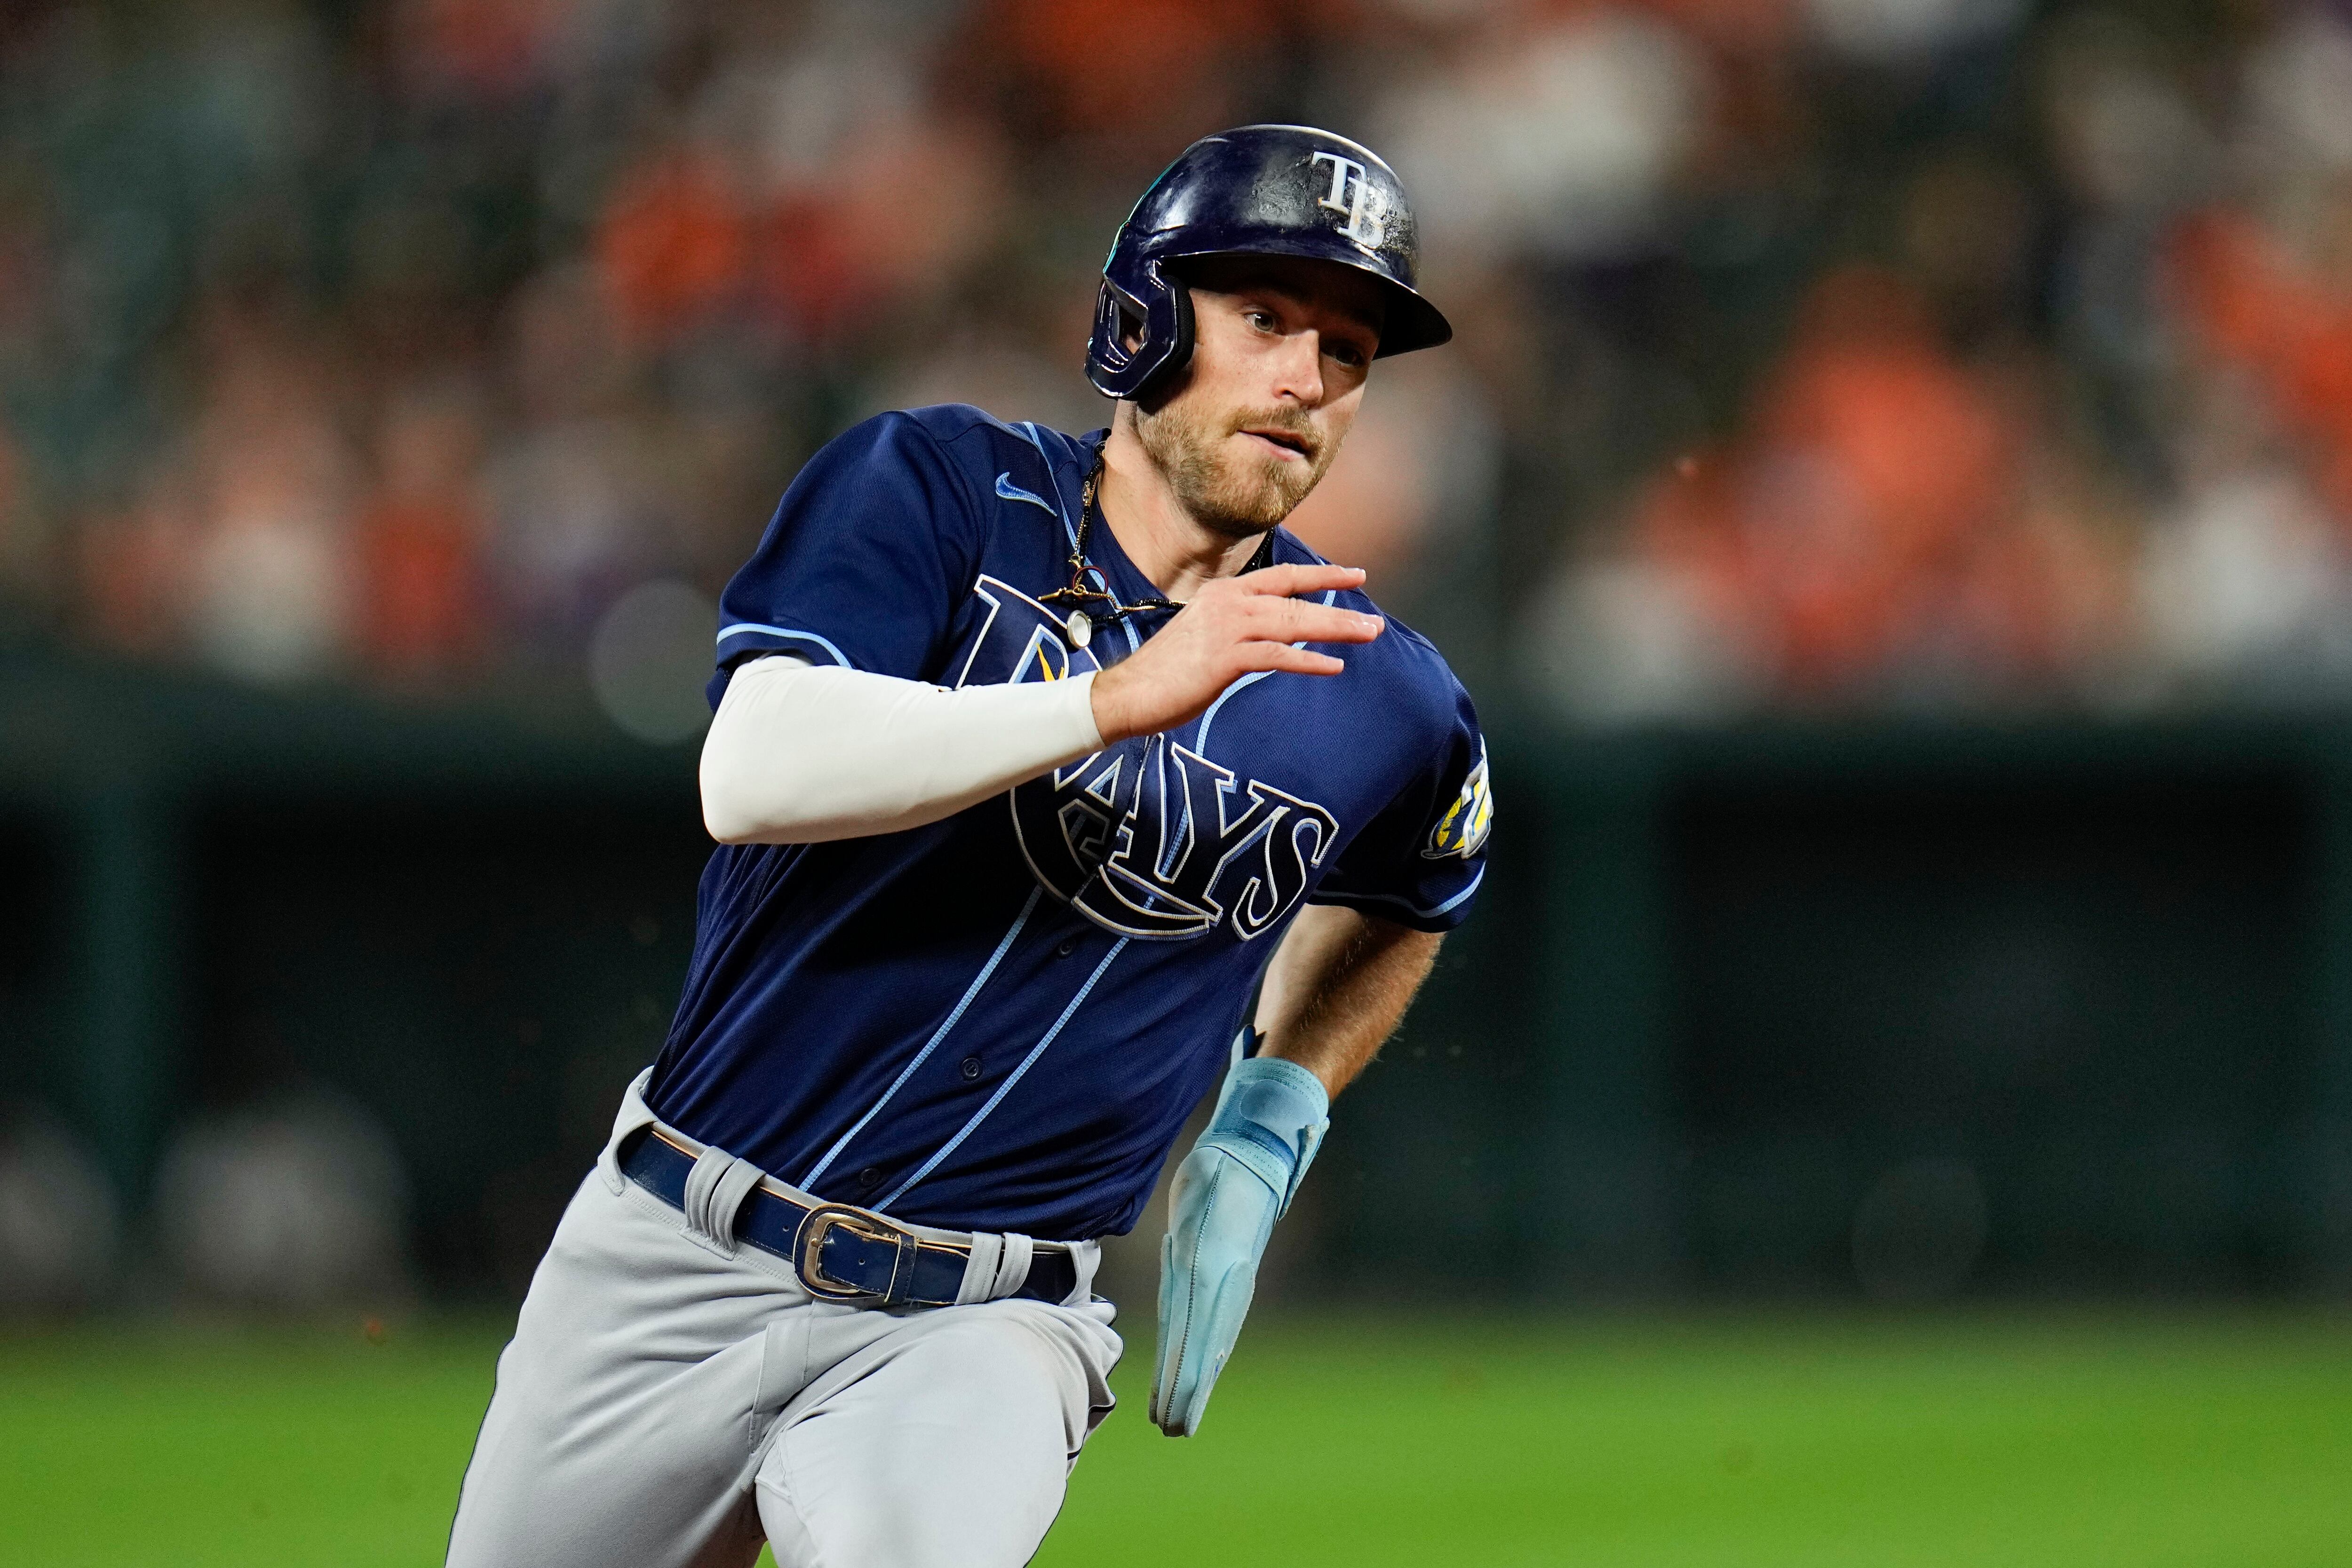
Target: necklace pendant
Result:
[[1081, 628]]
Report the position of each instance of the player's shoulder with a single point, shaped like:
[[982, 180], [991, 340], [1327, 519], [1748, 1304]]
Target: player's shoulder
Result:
[[955, 456], [978, 439], [1415, 655], [1413, 673]]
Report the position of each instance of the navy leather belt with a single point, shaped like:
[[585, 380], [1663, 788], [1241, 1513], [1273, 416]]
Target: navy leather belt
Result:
[[841, 1253]]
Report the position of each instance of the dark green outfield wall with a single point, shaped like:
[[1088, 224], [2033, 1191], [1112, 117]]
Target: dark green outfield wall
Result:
[[1726, 995], [1742, 981]]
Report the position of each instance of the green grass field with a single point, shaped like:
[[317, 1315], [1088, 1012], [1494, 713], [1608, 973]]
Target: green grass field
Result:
[[1691, 1442]]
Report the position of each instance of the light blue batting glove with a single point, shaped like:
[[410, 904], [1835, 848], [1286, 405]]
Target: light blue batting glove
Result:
[[1237, 1181]]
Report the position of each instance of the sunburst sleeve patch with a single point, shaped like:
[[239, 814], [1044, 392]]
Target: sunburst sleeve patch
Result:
[[1461, 830]]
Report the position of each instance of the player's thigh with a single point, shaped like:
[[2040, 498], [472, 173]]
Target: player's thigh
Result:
[[626, 1410], [951, 1451]]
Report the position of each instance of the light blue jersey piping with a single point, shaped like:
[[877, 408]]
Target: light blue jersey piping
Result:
[[1005, 1088], [742, 626], [1200, 737], [1029, 429], [929, 1045], [1451, 904]]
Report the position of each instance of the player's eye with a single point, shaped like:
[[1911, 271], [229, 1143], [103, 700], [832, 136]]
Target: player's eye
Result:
[[1262, 320]]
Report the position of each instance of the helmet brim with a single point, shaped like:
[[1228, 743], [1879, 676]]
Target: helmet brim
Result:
[[1410, 321]]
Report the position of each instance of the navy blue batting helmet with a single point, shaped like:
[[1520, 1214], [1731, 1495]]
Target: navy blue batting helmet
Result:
[[1261, 190]]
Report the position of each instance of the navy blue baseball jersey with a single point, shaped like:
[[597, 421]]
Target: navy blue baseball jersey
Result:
[[1000, 1021]]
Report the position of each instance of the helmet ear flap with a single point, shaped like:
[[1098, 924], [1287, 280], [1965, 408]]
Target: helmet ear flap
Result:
[[1140, 337], [1119, 328], [1180, 337]]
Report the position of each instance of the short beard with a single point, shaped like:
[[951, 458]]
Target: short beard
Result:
[[1239, 498]]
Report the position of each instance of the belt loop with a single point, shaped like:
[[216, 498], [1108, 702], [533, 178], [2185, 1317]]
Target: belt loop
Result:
[[1013, 1267], [980, 1271], [902, 1271], [1085, 1257], [715, 1190]]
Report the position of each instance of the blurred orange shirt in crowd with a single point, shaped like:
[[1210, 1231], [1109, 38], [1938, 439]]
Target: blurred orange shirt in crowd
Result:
[[1135, 69], [487, 48], [1867, 483], [420, 609], [421, 597], [2251, 301], [672, 243]]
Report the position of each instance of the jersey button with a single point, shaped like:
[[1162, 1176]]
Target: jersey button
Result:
[[1067, 946], [971, 1068], [869, 1176]]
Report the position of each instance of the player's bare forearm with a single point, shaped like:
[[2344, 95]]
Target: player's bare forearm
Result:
[[1338, 988]]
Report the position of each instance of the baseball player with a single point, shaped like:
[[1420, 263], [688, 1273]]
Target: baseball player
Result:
[[1035, 758]]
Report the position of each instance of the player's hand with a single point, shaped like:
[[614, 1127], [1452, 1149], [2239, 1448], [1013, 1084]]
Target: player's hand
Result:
[[1233, 627], [1229, 1191]]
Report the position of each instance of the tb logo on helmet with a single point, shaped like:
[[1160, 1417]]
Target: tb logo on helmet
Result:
[[1367, 222]]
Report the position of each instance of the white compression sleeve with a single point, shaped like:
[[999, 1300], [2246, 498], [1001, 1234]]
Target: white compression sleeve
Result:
[[801, 754]]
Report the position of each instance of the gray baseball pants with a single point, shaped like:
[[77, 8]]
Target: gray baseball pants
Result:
[[670, 1398]]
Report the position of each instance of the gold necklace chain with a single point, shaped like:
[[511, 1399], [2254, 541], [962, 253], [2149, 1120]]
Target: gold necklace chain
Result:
[[1088, 605]]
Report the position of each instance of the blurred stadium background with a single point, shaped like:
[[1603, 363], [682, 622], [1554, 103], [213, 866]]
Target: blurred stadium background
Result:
[[1891, 496]]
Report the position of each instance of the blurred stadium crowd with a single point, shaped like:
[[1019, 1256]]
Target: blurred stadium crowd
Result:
[[1813, 352]]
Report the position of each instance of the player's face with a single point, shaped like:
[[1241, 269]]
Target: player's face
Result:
[[1281, 348]]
